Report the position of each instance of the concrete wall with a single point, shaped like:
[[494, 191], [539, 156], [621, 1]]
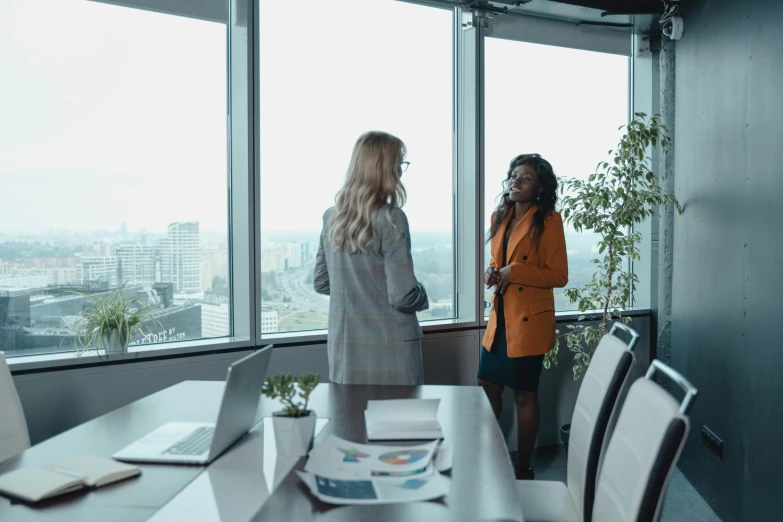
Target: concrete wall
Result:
[[728, 257], [59, 400]]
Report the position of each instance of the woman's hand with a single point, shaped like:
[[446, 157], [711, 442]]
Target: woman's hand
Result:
[[491, 277], [503, 279]]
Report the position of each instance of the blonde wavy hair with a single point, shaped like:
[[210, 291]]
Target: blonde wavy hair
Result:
[[372, 180]]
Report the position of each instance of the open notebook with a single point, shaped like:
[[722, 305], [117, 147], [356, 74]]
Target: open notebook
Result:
[[64, 476]]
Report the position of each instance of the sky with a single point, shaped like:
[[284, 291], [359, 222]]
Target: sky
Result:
[[338, 78], [110, 115], [565, 104]]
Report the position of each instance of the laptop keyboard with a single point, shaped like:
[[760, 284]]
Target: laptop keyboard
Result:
[[198, 442]]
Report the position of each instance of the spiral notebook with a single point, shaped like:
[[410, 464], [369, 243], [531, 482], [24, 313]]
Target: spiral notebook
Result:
[[64, 476]]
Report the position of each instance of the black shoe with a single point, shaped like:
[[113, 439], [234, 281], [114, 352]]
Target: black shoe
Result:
[[523, 474]]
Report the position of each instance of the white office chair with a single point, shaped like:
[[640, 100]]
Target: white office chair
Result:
[[647, 441], [14, 437], [551, 501]]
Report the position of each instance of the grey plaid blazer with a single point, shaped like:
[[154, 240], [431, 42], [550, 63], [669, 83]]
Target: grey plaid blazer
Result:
[[374, 335]]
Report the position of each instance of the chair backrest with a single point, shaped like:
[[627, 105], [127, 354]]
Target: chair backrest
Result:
[[645, 445], [601, 384], [14, 437]]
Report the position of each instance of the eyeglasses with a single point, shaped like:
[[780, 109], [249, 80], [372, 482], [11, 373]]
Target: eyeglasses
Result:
[[404, 166]]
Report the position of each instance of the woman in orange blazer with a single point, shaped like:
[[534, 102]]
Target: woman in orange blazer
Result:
[[528, 261]]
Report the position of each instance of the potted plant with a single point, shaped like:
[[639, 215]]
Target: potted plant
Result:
[[110, 323], [621, 193], [295, 424]]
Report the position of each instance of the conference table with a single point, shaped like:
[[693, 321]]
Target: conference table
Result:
[[250, 482]]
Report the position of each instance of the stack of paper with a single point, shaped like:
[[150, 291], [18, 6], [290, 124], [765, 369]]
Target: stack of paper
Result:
[[342, 472], [403, 419]]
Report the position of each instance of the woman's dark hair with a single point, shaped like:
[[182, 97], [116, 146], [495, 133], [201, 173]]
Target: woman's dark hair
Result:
[[546, 199]]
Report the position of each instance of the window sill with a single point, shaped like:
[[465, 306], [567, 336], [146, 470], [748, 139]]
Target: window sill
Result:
[[69, 360], [574, 315], [319, 336]]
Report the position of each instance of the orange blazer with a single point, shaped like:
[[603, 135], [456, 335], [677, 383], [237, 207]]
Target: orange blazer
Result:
[[529, 302]]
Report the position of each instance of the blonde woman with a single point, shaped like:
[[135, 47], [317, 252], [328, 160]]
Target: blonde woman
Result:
[[364, 263]]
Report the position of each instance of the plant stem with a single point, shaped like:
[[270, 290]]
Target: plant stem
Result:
[[289, 400], [610, 273]]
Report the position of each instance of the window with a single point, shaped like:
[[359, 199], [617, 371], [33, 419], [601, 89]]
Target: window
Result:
[[325, 78], [565, 104], [113, 160]]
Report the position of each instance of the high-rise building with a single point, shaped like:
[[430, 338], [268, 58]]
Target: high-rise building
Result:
[[273, 258], [293, 255], [97, 268], [269, 321], [137, 264], [97, 249], [14, 316], [214, 263], [267, 263], [305, 251], [215, 319], [181, 257], [59, 276]]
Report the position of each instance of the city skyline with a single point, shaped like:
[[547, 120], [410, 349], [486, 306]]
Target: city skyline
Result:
[[37, 309], [288, 302]]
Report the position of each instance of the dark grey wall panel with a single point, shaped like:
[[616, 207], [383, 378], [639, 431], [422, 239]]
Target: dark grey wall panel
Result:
[[56, 401], [728, 265], [59, 400], [558, 390], [451, 358], [299, 359]]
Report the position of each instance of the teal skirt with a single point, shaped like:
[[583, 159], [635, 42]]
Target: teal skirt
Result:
[[518, 373]]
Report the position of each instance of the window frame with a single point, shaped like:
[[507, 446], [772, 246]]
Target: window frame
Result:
[[243, 113], [463, 211], [240, 183], [555, 33]]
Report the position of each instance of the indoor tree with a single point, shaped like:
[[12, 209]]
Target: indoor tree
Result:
[[621, 193]]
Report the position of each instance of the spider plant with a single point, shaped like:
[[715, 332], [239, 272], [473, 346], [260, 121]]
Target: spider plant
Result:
[[109, 321]]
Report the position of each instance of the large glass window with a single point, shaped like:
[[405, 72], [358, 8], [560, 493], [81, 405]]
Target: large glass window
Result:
[[330, 71], [113, 169], [565, 104]]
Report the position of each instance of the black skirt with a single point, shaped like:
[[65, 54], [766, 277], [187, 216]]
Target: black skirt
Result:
[[518, 373]]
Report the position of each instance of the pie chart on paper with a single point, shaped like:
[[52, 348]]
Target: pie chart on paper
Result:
[[402, 457]]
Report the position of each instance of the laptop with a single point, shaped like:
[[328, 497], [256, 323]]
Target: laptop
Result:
[[202, 442]]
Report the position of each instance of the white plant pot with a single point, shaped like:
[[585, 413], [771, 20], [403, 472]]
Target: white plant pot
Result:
[[115, 342], [293, 435]]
